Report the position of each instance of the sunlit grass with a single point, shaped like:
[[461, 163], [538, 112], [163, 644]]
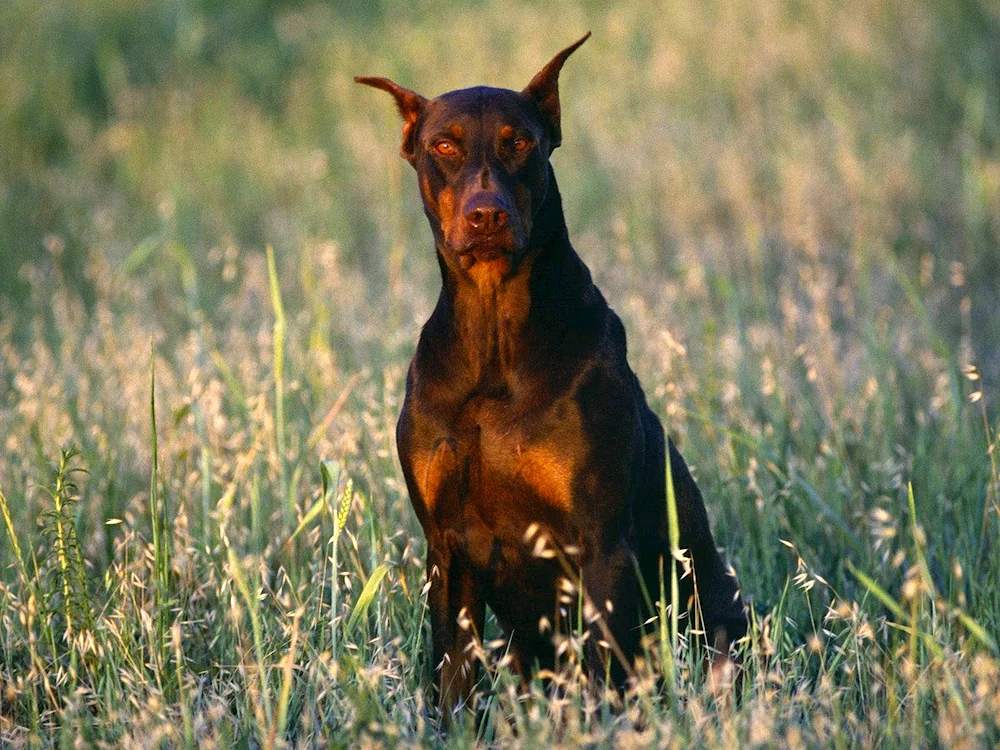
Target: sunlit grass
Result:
[[793, 207]]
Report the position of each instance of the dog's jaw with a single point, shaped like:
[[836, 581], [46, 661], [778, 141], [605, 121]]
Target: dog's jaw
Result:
[[488, 271]]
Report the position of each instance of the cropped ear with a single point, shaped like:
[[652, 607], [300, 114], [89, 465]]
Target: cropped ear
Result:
[[410, 105], [544, 90]]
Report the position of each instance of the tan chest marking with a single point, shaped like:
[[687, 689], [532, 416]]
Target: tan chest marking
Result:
[[548, 473], [436, 472], [488, 274]]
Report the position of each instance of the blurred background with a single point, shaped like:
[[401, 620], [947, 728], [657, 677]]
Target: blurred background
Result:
[[821, 149], [795, 206]]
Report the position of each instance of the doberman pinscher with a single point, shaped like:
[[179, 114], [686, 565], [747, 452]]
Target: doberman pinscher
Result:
[[525, 438]]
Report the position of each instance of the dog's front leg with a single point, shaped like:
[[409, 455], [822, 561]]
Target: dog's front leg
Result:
[[456, 601], [458, 611], [610, 611]]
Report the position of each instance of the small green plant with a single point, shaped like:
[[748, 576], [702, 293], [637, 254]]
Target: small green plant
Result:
[[68, 592]]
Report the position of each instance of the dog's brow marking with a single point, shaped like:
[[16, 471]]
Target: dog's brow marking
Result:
[[506, 131], [446, 209], [425, 185], [456, 130]]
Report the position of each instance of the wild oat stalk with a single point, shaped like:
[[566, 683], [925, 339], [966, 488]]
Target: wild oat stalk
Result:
[[250, 598], [330, 474], [287, 678], [206, 479], [12, 535], [182, 696], [158, 518], [279, 387], [673, 530]]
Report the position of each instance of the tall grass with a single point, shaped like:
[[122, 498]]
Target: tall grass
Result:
[[279, 386], [792, 206]]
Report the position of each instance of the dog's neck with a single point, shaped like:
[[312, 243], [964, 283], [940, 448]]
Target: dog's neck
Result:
[[502, 314]]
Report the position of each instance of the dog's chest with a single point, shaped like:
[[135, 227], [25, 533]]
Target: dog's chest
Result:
[[496, 464], [523, 466], [521, 454]]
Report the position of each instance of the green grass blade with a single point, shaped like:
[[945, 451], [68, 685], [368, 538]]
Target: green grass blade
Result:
[[279, 385], [877, 591], [287, 678], [308, 518], [674, 533], [367, 596], [329, 472], [157, 511], [12, 535], [918, 542]]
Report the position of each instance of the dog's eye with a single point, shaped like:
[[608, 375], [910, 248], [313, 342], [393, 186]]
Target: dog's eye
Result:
[[521, 145], [445, 148]]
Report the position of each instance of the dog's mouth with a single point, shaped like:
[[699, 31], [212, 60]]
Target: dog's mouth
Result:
[[491, 247]]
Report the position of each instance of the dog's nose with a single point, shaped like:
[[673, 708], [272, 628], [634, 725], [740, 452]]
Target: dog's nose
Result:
[[486, 214], [487, 220]]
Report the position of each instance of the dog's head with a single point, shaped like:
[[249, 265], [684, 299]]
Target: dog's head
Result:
[[481, 156]]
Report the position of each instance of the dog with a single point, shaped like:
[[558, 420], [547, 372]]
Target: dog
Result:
[[531, 457]]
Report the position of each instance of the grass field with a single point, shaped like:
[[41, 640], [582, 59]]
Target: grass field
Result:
[[795, 208]]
